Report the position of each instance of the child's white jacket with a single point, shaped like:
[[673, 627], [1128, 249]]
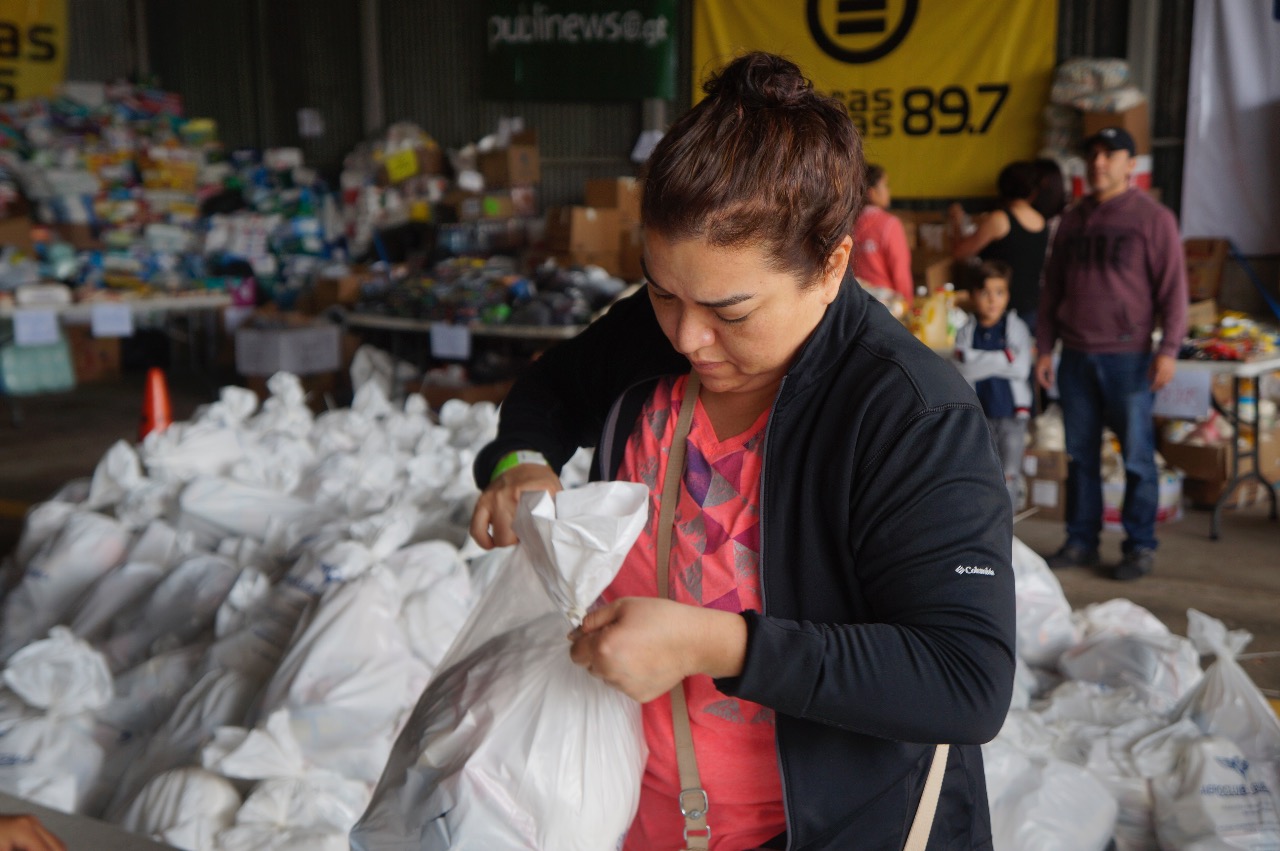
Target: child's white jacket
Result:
[[1014, 363]]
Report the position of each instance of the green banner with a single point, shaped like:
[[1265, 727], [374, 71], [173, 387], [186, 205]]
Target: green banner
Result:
[[576, 50]]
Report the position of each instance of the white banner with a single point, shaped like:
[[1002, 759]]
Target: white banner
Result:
[[1231, 173]]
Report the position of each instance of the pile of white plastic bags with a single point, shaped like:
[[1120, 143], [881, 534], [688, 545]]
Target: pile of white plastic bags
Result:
[[261, 628]]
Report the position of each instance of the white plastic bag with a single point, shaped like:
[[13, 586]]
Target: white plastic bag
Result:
[[48, 754], [186, 808], [67, 565], [349, 679], [1044, 625], [312, 813], [1044, 803], [181, 606], [1215, 800], [513, 746], [1227, 703], [1125, 645]]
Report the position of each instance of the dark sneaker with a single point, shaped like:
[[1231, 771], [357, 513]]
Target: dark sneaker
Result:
[[1135, 565], [1073, 555]]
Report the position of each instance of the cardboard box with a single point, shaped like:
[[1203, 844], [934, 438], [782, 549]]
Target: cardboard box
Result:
[[1206, 261], [1048, 497], [618, 193], [93, 358], [480, 206], [1204, 495], [1202, 314], [399, 166], [16, 232], [324, 293], [1168, 505], [1208, 468], [516, 165], [582, 229], [630, 254], [1045, 464], [81, 237], [931, 270], [297, 345], [1135, 119], [607, 260], [1045, 483], [927, 230]]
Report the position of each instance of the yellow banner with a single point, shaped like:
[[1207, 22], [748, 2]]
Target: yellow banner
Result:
[[33, 48], [945, 93]]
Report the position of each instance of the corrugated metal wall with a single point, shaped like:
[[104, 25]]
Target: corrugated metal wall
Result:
[[100, 40], [252, 64], [432, 56], [205, 50], [1169, 100]]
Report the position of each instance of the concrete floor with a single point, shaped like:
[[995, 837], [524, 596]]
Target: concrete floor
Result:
[[1236, 578]]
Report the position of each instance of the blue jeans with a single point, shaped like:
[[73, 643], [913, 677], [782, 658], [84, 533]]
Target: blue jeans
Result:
[[1112, 391]]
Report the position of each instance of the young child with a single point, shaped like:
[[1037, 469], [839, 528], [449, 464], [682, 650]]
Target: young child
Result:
[[993, 353]]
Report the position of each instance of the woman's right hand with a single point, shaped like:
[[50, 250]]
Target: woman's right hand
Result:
[[491, 522], [26, 833]]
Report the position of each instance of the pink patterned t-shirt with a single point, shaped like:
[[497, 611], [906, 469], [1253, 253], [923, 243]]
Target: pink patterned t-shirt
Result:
[[715, 558]]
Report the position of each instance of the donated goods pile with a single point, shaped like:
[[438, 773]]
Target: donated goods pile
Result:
[[111, 190], [262, 628]]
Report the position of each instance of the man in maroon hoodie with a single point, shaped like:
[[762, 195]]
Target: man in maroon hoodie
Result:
[[1116, 274]]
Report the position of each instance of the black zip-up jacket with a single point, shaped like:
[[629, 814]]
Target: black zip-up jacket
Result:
[[888, 620]]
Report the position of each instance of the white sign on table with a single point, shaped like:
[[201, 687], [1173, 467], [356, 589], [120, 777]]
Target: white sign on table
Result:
[[35, 327], [450, 342], [235, 315], [111, 320], [1187, 397]]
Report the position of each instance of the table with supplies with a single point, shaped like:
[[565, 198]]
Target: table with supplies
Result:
[[1245, 461]]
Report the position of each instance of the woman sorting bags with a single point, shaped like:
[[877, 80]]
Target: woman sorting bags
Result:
[[823, 590]]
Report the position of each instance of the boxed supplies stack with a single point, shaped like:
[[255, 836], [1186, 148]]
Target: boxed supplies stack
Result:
[[515, 164], [584, 236], [624, 195], [1046, 482]]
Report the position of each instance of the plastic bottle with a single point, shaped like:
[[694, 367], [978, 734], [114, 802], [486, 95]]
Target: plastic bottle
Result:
[[949, 310]]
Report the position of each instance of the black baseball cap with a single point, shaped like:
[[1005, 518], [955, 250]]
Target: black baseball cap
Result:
[[1113, 139]]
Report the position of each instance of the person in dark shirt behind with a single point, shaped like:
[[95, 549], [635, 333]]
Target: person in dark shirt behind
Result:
[[1115, 272]]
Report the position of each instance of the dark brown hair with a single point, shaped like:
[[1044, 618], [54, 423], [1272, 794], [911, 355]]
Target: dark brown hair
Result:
[[872, 174], [1017, 181], [1051, 193], [762, 159], [991, 269]]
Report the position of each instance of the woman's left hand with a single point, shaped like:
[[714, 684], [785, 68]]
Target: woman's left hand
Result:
[[643, 646]]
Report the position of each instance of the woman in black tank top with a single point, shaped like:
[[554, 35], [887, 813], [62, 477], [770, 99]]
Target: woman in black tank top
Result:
[[1016, 233]]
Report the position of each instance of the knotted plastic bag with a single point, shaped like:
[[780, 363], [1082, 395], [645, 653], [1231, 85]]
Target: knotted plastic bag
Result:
[[512, 745]]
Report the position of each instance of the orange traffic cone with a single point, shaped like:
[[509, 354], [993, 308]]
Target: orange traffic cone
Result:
[[156, 414]]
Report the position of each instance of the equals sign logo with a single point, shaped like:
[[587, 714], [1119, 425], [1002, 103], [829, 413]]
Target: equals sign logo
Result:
[[855, 18]]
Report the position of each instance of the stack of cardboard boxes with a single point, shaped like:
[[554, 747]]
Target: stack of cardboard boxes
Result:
[[929, 238], [1206, 261], [622, 194], [511, 177], [1208, 467], [603, 232], [1045, 475]]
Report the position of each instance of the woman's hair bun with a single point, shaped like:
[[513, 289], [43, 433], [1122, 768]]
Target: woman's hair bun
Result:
[[761, 81]]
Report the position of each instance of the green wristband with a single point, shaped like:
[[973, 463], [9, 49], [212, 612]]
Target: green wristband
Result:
[[515, 459]]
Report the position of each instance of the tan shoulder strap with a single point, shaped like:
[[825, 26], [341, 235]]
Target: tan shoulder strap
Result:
[[693, 798], [918, 838]]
